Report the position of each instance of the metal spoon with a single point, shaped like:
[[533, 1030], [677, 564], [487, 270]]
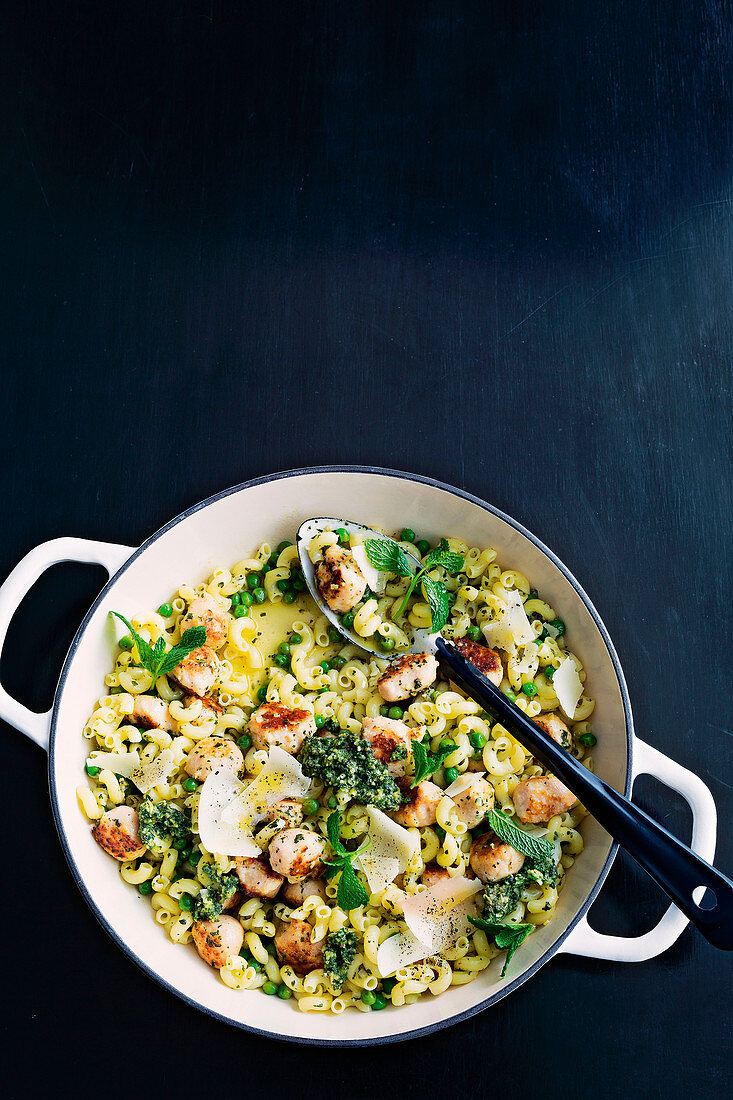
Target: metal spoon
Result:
[[682, 874]]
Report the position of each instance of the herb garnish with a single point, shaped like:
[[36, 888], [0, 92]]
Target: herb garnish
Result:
[[351, 894], [529, 845], [389, 557], [155, 658], [506, 936], [426, 763]]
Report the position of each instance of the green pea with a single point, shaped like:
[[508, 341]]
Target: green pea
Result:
[[394, 712], [440, 831], [338, 662], [407, 534], [145, 887], [510, 695], [323, 690], [549, 672], [90, 770], [236, 598], [288, 597], [185, 901], [388, 985], [380, 1002], [320, 721], [348, 620], [384, 710], [283, 546], [529, 689], [116, 691], [180, 845], [259, 595], [386, 643], [310, 807], [272, 560], [448, 744], [559, 626], [332, 803], [262, 693], [423, 546], [239, 611], [165, 610], [125, 642], [284, 585], [282, 661], [343, 535], [284, 992], [333, 634], [325, 666], [588, 739], [244, 742], [296, 639], [451, 774], [254, 580], [184, 855], [284, 649], [477, 739], [189, 784], [255, 965], [474, 634], [270, 989], [368, 997], [299, 585]]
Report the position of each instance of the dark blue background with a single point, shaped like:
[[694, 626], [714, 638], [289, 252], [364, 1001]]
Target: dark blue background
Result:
[[485, 242]]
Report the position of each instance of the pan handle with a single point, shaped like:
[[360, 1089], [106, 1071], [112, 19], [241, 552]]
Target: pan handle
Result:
[[583, 940], [20, 581]]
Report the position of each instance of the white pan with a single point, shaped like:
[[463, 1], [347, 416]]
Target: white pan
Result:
[[222, 530]]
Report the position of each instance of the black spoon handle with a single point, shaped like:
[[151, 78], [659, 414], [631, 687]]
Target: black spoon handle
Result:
[[677, 869]]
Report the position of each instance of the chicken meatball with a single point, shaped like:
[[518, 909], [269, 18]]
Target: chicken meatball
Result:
[[473, 804], [420, 810], [555, 728], [339, 579], [198, 671], [407, 675], [217, 940], [208, 753], [276, 724], [541, 797], [391, 742], [118, 832], [486, 660], [257, 877], [294, 947], [205, 611], [296, 854], [295, 893], [493, 860]]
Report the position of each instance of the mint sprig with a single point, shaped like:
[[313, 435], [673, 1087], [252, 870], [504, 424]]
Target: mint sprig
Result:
[[426, 763], [389, 557], [156, 659], [351, 894], [533, 846], [507, 937]]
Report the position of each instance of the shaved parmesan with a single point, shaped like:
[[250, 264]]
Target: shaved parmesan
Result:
[[435, 920], [219, 791], [121, 763], [529, 662], [512, 629], [389, 852], [461, 785], [436, 916], [281, 777], [158, 771], [567, 685], [377, 581]]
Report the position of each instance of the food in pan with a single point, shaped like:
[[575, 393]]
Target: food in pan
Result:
[[342, 829]]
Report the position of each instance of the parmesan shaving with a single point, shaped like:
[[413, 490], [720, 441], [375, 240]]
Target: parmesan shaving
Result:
[[567, 685], [281, 777], [436, 916], [377, 581], [157, 771], [219, 790], [121, 763], [512, 629], [389, 852], [461, 785]]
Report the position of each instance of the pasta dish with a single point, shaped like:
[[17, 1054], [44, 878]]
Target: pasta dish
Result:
[[332, 824]]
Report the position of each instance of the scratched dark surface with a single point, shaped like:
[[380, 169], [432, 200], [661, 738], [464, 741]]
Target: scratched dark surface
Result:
[[486, 242]]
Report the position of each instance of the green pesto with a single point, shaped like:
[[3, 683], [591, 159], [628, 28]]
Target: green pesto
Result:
[[347, 763], [162, 823], [211, 900], [338, 954], [500, 898]]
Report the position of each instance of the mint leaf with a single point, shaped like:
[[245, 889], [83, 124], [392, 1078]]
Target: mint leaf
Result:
[[444, 558], [191, 639], [426, 763], [387, 556], [437, 597], [351, 894], [507, 937], [533, 846], [333, 828], [154, 658]]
